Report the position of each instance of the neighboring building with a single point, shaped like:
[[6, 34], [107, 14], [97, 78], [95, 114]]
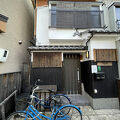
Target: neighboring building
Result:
[[75, 43], [19, 27], [16, 32]]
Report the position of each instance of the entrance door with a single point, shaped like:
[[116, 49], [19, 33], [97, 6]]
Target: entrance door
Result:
[[71, 74]]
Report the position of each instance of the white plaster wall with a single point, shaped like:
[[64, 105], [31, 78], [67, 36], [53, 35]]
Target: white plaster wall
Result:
[[42, 26], [19, 27], [67, 34], [101, 42]]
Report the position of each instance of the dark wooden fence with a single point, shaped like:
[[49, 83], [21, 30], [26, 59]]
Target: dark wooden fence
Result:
[[9, 82], [25, 78], [48, 76]]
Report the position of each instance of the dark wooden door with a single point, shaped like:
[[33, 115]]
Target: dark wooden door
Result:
[[71, 74]]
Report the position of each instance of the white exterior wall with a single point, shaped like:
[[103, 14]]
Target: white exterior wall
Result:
[[19, 28], [101, 42], [42, 28], [66, 34]]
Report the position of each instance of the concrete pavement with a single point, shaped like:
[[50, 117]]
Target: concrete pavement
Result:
[[102, 114]]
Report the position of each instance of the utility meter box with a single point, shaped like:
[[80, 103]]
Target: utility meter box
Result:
[[99, 76], [3, 55]]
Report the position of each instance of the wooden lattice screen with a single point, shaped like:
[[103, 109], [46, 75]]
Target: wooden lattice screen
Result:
[[47, 59], [107, 55]]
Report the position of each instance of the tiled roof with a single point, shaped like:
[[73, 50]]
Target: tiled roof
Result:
[[104, 31], [57, 47]]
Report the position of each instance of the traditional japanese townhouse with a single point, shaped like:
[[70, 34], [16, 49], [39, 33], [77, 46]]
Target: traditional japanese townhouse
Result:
[[75, 43]]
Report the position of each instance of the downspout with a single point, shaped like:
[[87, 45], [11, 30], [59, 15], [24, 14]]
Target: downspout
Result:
[[92, 34]]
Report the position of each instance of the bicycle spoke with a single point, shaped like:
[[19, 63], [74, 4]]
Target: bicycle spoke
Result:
[[68, 113], [19, 116], [58, 101]]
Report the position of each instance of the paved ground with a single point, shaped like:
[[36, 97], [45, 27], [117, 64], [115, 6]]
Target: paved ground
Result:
[[90, 114], [103, 114]]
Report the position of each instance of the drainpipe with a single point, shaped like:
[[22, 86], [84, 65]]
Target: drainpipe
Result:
[[89, 39]]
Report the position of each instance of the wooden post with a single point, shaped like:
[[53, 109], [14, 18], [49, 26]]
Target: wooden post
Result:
[[2, 104], [3, 112]]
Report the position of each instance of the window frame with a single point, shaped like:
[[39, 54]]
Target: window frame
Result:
[[117, 20]]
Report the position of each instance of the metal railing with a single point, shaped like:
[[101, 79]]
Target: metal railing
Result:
[[118, 24], [76, 19]]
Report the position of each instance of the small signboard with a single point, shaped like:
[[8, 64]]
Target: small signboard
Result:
[[94, 68]]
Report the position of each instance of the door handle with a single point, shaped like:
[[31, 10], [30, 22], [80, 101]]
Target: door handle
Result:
[[78, 76]]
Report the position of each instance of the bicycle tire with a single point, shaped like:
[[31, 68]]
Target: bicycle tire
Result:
[[73, 114], [59, 100], [20, 115]]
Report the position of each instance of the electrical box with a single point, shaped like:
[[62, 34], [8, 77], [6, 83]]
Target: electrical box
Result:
[[99, 76], [3, 55]]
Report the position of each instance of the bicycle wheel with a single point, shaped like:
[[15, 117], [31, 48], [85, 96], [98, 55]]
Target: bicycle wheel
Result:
[[59, 100], [68, 112], [19, 116]]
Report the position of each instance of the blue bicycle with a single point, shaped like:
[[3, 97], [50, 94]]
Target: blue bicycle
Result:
[[66, 112], [49, 103]]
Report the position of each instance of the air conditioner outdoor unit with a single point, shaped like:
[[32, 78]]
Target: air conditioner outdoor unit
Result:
[[3, 55]]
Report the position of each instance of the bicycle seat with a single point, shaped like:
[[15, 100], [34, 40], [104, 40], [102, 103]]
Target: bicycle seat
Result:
[[51, 90]]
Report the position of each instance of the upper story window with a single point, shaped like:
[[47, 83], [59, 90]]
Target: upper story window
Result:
[[53, 15], [114, 16], [117, 8], [96, 16], [72, 16], [3, 21]]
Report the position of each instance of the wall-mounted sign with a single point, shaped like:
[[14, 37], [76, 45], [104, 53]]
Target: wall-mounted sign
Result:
[[94, 68], [99, 68]]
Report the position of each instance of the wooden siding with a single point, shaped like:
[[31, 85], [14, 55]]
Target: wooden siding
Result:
[[35, 22], [45, 2], [25, 77], [105, 55], [41, 2], [47, 76], [80, 0], [118, 85], [8, 83], [2, 26], [47, 59]]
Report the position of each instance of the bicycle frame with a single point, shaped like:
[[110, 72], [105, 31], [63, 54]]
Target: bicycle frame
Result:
[[47, 101], [34, 113]]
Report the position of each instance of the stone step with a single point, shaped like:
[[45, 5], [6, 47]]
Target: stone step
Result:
[[79, 100]]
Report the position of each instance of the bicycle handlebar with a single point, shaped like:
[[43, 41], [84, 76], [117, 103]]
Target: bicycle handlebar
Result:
[[51, 90]]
